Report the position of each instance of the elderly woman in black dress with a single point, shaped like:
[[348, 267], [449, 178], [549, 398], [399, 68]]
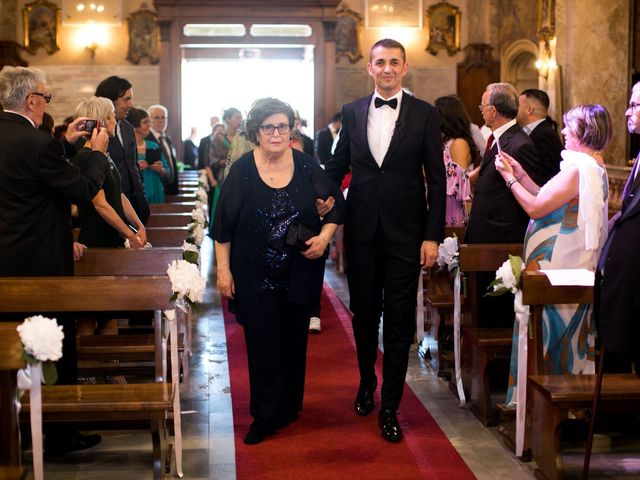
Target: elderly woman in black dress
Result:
[[269, 193]]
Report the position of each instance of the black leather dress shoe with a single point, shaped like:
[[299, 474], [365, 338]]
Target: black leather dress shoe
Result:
[[364, 403], [389, 427]]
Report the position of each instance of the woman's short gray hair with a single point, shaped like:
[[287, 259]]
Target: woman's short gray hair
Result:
[[590, 124], [16, 83], [96, 108], [264, 108]]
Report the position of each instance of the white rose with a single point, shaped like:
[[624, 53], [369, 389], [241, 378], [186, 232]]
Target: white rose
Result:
[[42, 338], [196, 232], [190, 247], [186, 281], [505, 273], [201, 195], [198, 216]]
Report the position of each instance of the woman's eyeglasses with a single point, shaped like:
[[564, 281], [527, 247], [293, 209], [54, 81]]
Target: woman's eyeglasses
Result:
[[283, 129]]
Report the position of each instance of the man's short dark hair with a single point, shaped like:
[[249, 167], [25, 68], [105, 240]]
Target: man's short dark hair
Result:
[[337, 117], [388, 43], [113, 88], [539, 95]]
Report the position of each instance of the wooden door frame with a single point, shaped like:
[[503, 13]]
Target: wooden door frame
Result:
[[173, 15]]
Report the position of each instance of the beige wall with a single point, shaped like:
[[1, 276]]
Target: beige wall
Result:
[[72, 73]]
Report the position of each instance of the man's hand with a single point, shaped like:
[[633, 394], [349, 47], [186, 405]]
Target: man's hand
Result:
[[428, 253], [325, 206], [75, 130]]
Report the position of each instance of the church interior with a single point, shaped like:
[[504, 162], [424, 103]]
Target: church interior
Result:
[[201, 57]]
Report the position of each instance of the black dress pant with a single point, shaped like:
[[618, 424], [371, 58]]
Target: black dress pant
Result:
[[276, 333], [383, 276]]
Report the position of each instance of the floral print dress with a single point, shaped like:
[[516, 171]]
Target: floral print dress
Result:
[[458, 188]]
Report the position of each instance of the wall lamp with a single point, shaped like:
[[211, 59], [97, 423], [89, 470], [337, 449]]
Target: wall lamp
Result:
[[546, 63]]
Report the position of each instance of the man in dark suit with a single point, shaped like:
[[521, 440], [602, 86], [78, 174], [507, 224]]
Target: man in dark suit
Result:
[[533, 117], [159, 118], [496, 217], [325, 137], [122, 147], [617, 306], [389, 140], [37, 187], [204, 148]]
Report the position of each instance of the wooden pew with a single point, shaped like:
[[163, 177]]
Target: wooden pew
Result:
[[52, 295], [184, 197], [550, 397], [438, 297], [169, 220], [182, 207], [167, 236], [482, 347], [10, 362], [138, 348]]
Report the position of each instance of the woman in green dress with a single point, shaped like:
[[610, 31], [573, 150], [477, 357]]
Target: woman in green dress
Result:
[[151, 161]]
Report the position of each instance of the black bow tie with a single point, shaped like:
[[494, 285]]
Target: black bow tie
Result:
[[378, 102]]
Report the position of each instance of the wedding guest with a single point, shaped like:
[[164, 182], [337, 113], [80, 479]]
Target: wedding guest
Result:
[[568, 228], [270, 280]]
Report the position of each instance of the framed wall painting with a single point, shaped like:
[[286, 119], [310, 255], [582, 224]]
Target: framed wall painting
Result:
[[40, 21], [443, 23], [144, 36], [347, 34], [393, 13]]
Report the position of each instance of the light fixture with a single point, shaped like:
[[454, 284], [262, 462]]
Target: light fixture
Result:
[[92, 36], [546, 63]]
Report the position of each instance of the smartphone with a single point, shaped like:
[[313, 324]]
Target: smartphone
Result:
[[89, 125]]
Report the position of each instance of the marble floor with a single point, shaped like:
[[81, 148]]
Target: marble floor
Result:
[[209, 451]]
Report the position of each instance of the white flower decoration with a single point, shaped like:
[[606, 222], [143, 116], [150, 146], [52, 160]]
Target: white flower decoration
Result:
[[201, 195], [198, 216], [196, 233], [186, 281], [42, 338]]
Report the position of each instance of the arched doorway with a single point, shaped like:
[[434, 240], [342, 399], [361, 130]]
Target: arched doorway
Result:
[[518, 65]]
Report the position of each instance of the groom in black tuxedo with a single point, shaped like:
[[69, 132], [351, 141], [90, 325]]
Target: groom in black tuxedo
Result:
[[389, 140]]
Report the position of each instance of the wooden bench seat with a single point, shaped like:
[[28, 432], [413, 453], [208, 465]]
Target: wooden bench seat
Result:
[[482, 347], [167, 236], [105, 404], [126, 261], [183, 197], [487, 346], [169, 220], [553, 396], [13, 473], [178, 207]]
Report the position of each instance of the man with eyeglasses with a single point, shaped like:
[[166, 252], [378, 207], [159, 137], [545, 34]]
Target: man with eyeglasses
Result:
[[390, 141], [159, 120], [495, 216], [618, 273], [37, 187]]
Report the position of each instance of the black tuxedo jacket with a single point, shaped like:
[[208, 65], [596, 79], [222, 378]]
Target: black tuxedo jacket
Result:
[[393, 195], [37, 187], [549, 146], [125, 158], [496, 217], [619, 302], [323, 144], [171, 181], [203, 152]]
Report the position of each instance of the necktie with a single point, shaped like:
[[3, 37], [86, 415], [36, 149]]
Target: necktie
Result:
[[378, 102], [489, 143]]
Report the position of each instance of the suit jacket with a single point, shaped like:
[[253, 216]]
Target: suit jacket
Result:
[[125, 157], [618, 301], [496, 216], [37, 187], [203, 152], [323, 144], [393, 195], [171, 180], [549, 146]]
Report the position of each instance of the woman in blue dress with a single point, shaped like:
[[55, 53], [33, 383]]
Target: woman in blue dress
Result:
[[568, 229]]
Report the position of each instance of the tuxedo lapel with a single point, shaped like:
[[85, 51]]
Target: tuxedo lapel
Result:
[[401, 126], [362, 114], [632, 183]]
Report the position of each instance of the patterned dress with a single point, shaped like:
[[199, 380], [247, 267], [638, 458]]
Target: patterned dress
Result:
[[458, 189], [555, 241]]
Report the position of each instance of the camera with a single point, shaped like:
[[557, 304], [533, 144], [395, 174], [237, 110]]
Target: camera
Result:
[[89, 125]]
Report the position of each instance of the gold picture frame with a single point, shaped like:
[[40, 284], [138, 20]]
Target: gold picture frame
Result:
[[443, 24], [144, 36], [347, 34], [40, 20]]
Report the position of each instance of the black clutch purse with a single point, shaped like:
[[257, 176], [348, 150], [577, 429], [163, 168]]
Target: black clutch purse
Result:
[[298, 234]]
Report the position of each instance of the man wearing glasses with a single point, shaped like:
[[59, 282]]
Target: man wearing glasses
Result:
[[496, 217], [37, 187], [617, 278]]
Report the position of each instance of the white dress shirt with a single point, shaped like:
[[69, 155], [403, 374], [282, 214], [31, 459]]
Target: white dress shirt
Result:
[[500, 130], [381, 122], [528, 128]]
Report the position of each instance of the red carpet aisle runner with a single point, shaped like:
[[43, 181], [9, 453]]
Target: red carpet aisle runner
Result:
[[330, 441]]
